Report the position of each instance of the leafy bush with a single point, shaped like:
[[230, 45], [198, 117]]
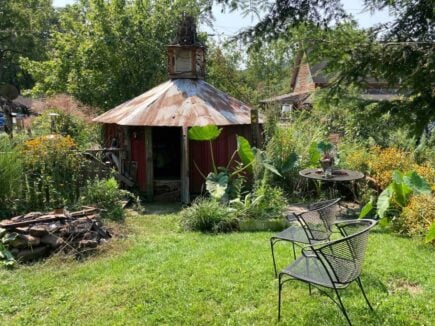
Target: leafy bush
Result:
[[417, 217], [265, 203], [105, 194], [383, 161], [289, 150], [75, 126], [208, 215], [355, 157], [52, 173]]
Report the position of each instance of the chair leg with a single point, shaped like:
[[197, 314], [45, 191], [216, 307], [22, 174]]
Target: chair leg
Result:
[[294, 251], [279, 296], [309, 288], [364, 293], [273, 257], [342, 308]]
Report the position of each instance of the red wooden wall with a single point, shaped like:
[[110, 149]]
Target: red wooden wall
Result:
[[199, 152], [137, 141]]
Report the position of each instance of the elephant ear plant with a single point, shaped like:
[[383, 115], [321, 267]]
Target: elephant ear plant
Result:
[[396, 196], [225, 182]]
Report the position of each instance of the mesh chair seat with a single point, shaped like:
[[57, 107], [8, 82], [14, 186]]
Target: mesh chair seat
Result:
[[310, 269], [295, 233]]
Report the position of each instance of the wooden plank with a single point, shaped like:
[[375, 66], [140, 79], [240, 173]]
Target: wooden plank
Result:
[[124, 179], [185, 194], [149, 166]]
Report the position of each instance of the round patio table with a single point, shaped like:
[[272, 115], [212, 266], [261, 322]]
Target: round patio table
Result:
[[338, 175]]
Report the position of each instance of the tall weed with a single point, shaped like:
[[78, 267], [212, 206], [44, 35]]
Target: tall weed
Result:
[[10, 174]]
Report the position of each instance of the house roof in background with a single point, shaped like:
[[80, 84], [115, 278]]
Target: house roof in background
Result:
[[290, 98]]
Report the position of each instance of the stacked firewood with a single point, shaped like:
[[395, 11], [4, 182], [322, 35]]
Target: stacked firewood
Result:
[[35, 235]]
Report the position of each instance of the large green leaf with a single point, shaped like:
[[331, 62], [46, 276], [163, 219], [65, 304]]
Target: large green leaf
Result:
[[397, 176], [383, 203], [324, 147], [217, 184], [367, 209], [401, 193], [417, 183], [244, 150], [271, 168], [314, 154], [202, 133]]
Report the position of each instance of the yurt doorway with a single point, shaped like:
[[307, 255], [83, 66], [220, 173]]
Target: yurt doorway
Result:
[[167, 162]]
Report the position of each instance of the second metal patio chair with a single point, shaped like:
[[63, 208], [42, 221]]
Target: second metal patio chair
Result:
[[332, 265], [309, 227]]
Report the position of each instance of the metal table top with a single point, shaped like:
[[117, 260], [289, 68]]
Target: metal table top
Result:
[[337, 175]]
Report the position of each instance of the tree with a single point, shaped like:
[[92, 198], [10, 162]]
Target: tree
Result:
[[24, 31], [400, 52], [106, 52]]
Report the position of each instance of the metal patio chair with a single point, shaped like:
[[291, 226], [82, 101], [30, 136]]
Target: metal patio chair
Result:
[[334, 264], [309, 227]]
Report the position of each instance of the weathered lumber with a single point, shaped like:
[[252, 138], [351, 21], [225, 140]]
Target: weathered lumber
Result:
[[8, 224], [52, 240], [34, 235], [31, 254], [17, 240]]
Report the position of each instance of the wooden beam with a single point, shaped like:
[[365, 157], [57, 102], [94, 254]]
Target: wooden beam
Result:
[[185, 193], [149, 173]]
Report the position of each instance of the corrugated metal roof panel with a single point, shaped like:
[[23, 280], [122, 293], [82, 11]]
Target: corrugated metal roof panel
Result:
[[179, 102]]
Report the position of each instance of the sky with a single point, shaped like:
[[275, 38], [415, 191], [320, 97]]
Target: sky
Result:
[[227, 24]]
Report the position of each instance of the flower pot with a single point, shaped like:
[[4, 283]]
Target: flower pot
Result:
[[326, 164]]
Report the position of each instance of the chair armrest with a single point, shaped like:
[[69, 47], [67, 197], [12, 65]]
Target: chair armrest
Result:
[[292, 217], [345, 222], [313, 247]]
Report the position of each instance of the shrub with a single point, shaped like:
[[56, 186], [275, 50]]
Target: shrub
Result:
[[52, 172], [208, 215], [289, 150], [417, 216], [385, 160], [355, 158], [265, 203], [77, 127], [105, 194]]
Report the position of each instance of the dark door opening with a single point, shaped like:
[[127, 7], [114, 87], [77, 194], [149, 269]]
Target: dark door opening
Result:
[[167, 153]]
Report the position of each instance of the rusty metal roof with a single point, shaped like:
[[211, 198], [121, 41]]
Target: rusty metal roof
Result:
[[179, 102]]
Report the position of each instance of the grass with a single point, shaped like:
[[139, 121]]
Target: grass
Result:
[[160, 275]]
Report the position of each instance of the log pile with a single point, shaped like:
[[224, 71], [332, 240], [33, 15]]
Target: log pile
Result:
[[35, 235]]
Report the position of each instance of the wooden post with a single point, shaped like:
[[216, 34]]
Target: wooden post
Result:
[[185, 193], [149, 174], [256, 137]]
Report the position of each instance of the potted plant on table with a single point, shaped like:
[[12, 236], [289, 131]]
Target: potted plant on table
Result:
[[327, 160]]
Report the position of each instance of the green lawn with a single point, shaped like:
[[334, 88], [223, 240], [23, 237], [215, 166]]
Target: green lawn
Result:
[[157, 274]]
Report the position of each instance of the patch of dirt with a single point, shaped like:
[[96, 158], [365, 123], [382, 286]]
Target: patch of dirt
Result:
[[402, 285]]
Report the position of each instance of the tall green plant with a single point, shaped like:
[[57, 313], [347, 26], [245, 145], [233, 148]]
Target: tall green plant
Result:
[[10, 173]]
